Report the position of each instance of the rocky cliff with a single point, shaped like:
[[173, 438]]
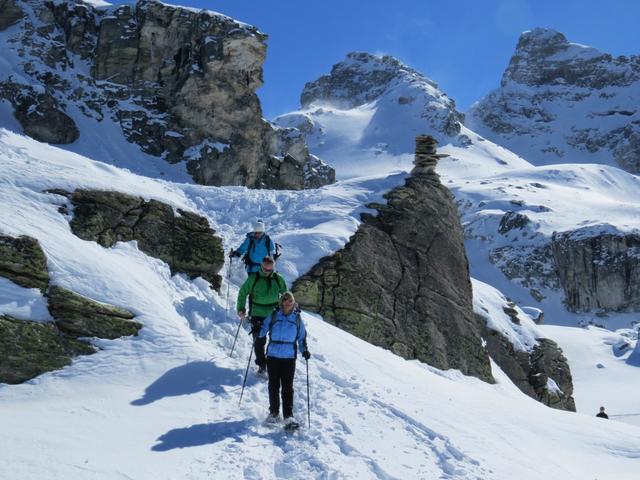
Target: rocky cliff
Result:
[[402, 282], [563, 102], [599, 268], [177, 82]]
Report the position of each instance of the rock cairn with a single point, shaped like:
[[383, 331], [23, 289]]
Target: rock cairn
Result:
[[426, 157]]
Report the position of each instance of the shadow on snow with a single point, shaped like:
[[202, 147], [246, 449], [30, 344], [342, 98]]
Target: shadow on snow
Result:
[[202, 434], [209, 433], [192, 378]]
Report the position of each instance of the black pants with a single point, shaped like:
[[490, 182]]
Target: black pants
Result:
[[259, 343], [281, 372]]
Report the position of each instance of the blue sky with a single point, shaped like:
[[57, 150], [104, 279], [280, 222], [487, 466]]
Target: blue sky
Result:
[[464, 45]]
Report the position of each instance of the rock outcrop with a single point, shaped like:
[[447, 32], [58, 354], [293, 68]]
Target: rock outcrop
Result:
[[10, 13], [542, 373], [23, 262], [28, 349], [183, 240], [39, 114], [180, 83], [402, 282], [564, 102], [599, 269], [78, 316]]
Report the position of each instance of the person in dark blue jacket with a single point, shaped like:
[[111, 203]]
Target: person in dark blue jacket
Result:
[[255, 247], [287, 336]]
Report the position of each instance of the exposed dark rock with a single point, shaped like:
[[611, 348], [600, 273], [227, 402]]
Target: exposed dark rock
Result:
[[10, 13], [532, 266], [598, 270], [39, 114], [28, 349], [23, 262], [511, 220], [402, 282], [185, 241], [531, 371], [78, 316]]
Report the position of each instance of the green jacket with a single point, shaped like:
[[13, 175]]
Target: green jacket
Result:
[[263, 292]]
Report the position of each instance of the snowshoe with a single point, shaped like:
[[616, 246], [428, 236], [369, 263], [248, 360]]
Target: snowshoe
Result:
[[272, 420], [290, 424]]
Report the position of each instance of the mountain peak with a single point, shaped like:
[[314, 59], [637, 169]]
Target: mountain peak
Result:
[[544, 56], [359, 79]]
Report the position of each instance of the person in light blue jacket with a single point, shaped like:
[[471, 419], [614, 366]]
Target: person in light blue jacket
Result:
[[256, 246], [287, 336]]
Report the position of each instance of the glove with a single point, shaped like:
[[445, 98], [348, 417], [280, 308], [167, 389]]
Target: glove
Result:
[[306, 355], [255, 330], [233, 253]]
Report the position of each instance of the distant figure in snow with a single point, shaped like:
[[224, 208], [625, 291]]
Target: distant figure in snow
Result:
[[262, 288], [602, 413], [287, 336], [255, 247]]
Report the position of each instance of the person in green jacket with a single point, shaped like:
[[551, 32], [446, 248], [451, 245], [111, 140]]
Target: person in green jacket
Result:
[[263, 288]]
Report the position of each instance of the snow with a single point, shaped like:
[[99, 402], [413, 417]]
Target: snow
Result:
[[22, 303], [489, 302], [165, 404], [601, 373]]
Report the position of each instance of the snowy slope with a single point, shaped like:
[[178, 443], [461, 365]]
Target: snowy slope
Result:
[[365, 115], [165, 404]]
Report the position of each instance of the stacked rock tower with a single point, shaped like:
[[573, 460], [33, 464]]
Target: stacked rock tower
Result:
[[426, 157]]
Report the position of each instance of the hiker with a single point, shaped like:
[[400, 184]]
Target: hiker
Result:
[[287, 336], [263, 288], [255, 247], [602, 413]]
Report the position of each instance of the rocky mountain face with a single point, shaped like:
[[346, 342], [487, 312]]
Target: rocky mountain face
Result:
[[561, 102], [386, 101], [179, 83], [29, 348], [402, 282], [598, 270]]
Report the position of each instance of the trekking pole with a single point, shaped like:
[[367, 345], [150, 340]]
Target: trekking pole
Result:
[[308, 401], [228, 284], [236, 337], [246, 372]]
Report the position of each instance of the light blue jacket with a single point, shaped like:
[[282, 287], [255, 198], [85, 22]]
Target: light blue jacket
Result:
[[285, 330], [260, 248]]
